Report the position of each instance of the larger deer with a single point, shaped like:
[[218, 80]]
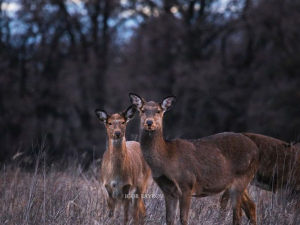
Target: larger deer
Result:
[[194, 168], [123, 170]]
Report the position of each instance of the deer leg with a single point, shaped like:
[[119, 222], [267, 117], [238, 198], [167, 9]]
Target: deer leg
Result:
[[171, 207], [141, 204], [139, 209], [223, 203], [184, 204], [236, 202], [126, 210], [142, 209], [224, 200], [248, 205], [111, 205], [136, 210], [249, 208], [171, 192]]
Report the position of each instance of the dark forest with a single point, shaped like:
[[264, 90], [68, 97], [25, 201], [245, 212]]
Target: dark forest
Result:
[[233, 65]]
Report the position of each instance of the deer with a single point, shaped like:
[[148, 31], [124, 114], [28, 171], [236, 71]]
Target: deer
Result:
[[278, 169], [184, 168], [124, 173]]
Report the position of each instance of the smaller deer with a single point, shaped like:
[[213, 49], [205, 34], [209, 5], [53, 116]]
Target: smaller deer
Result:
[[124, 173]]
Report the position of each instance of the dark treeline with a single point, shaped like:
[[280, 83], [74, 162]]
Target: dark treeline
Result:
[[234, 67]]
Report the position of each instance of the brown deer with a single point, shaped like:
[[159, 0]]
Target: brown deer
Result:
[[194, 168], [279, 169], [124, 173], [279, 164]]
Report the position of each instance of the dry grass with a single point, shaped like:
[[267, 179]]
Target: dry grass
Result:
[[50, 196]]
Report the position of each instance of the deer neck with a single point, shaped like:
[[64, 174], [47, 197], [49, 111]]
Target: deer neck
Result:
[[152, 142], [154, 150], [117, 151]]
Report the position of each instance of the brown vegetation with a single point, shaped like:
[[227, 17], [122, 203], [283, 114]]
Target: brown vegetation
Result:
[[72, 197]]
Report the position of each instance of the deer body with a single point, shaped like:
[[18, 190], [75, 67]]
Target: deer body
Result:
[[123, 165], [278, 169], [124, 171], [279, 165], [199, 168], [194, 167]]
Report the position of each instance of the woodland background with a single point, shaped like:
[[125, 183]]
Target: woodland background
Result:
[[234, 66]]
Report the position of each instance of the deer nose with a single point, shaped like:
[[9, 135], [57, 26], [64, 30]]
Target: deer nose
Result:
[[149, 122], [117, 133]]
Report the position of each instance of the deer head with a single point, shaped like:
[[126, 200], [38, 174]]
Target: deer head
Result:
[[116, 123], [151, 113]]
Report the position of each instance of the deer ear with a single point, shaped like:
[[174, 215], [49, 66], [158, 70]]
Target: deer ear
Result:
[[136, 100], [102, 115], [129, 113], [168, 102]]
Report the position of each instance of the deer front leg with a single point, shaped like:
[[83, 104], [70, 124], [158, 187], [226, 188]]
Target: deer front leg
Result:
[[171, 207], [140, 205], [142, 210], [126, 210], [111, 205], [171, 192], [136, 211], [184, 205]]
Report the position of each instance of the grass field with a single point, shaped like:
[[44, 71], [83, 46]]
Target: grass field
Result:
[[51, 195]]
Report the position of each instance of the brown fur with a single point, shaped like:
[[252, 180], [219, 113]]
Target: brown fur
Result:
[[279, 164], [248, 205], [123, 170], [194, 168], [279, 169]]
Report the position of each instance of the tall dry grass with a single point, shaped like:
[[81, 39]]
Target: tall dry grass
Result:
[[50, 195]]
